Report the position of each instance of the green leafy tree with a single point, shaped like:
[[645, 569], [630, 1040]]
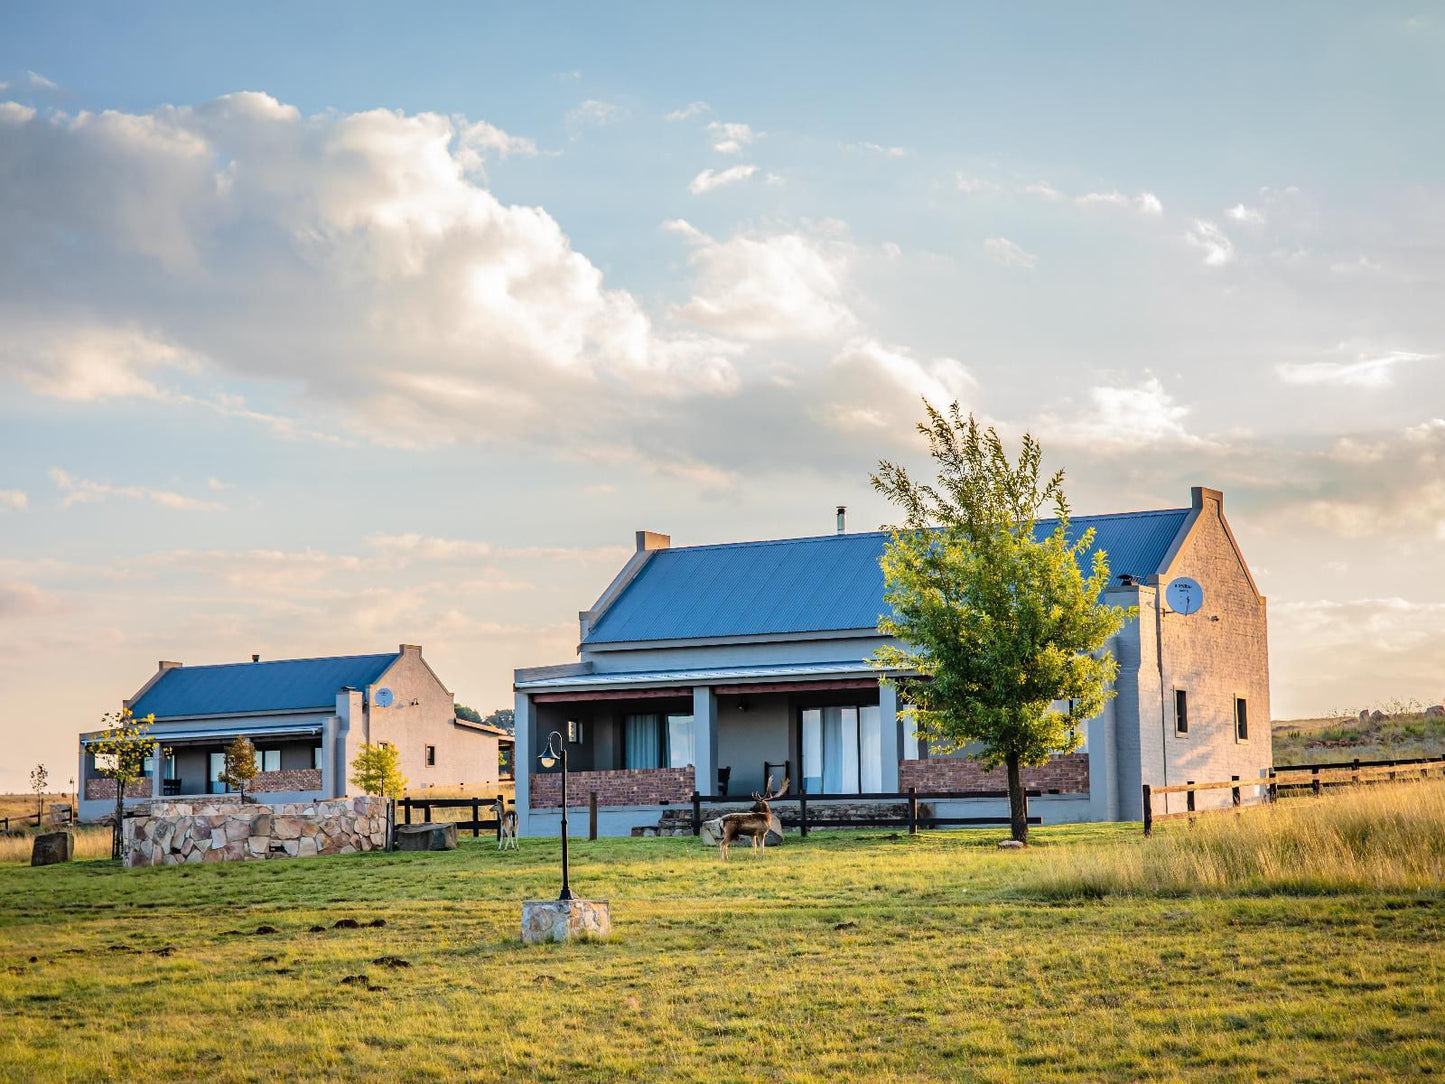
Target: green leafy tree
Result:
[[502, 719], [471, 715], [239, 767], [120, 755], [39, 780], [995, 627], [378, 770]]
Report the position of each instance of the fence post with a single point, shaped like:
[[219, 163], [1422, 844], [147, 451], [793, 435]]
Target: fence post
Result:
[[1189, 799], [591, 814], [803, 814], [1234, 790], [406, 810], [1316, 787], [426, 812], [1355, 771], [1148, 811], [913, 811], [1273, 787], [696, 813], [476, 818]]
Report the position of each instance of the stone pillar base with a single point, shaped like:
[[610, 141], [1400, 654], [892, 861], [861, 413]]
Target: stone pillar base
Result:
[[564, 920]]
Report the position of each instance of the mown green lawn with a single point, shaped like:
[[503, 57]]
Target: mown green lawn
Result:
[[851, 956]]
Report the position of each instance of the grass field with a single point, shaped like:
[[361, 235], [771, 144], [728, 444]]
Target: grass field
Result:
[[851, 956]]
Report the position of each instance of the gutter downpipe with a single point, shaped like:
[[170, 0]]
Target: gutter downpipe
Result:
[[1163, 710]]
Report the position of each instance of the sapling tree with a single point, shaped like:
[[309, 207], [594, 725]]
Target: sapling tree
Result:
[[997, 623], [378, 770], [39, 780], [120, 756], [240, 764]]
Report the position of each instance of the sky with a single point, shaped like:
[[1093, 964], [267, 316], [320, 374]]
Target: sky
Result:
[[329, 327]]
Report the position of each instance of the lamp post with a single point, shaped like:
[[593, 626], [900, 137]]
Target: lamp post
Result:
[[557, 750]]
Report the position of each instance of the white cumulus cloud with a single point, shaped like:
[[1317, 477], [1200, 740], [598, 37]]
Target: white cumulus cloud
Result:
[[1009, 254], [709, 179], [1365, 371], [13, 498], [730, 137], [1210, 239]]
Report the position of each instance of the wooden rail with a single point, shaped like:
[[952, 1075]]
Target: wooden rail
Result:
[[1314, 776], [912, 821], [477, 824], [60, 815]]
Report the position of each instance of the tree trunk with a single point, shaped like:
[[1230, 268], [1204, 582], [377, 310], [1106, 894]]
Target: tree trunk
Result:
[[1018, 808], [115, 838]]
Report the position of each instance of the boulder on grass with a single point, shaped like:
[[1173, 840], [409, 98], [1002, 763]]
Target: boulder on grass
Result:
[[1435, 711], [52, 847], [441, 836], [711, 833]]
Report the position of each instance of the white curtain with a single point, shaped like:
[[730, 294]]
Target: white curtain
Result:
[[679, 740], [642, 741], [812, 750], [870, 750], [847, 750]]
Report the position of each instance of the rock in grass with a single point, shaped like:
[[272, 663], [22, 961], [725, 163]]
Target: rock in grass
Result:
[[1010, 845], [440, 836], [346, 924], [52, 847]]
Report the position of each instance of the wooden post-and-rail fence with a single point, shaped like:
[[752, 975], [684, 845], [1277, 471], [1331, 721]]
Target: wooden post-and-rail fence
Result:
[[57, 814], [478, 824], [818, 817], [1316, 777]]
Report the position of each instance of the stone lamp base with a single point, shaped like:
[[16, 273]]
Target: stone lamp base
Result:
[[564, 920]]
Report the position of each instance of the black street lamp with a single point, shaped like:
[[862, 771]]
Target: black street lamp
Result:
[[557, 750]]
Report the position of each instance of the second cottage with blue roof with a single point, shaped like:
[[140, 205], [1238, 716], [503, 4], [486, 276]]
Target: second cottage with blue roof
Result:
[[712, 667]]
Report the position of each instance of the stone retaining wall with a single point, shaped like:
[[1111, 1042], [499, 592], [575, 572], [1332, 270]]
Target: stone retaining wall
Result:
[[1068, 774], [625, 786], [223, 829]]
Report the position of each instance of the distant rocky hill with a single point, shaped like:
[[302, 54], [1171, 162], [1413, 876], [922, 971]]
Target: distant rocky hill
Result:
[[1373, 734]]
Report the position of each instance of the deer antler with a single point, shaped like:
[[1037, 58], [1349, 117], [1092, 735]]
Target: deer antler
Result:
[[780, 791]]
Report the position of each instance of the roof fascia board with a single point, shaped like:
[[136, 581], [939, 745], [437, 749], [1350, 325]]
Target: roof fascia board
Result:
[[160, 673], [1186, 533]]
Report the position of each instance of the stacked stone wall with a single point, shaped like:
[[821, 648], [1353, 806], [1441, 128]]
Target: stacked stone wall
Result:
[[1067, 774], [625, 786], [224, 829]]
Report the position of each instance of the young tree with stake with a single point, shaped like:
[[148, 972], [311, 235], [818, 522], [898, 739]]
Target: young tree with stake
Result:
[[120, 755], [995, 624], [240, 765], [378, 770], [39, 780]]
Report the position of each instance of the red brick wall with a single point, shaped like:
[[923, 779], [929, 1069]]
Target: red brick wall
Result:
[[1068, 774], [627, 786], [105, 788], [290, 779]]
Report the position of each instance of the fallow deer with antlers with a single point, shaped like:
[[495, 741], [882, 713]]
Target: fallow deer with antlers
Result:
[[754, 824], [506, 824]]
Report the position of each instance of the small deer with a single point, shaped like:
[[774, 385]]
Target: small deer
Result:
[[507, 820], [754, 824]]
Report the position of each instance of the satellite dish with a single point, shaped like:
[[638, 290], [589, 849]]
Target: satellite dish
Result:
[[383, 698], [1184, 595]]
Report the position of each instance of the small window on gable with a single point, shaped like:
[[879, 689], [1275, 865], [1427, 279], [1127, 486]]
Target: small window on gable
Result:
[[431, 756], [1241, 719], [1181, 712]]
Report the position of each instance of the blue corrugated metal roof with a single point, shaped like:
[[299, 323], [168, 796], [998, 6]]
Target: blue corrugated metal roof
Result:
[[822, 584], [236, 688]]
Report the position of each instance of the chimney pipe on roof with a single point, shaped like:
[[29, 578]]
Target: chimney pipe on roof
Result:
[[255, 658], [842, 519]]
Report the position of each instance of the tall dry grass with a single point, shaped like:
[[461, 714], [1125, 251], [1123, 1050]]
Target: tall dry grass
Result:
[[1387, 837], [91, 841]]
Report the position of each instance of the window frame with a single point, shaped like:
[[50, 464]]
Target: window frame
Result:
[[1241, 734], [429, 755], [1181, 699]]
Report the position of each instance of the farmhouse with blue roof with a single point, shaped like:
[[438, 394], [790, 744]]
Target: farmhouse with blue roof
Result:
[[713, 667], [307, 718]]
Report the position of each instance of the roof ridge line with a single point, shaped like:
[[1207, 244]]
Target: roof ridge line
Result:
[[273, 662], [868, 534]]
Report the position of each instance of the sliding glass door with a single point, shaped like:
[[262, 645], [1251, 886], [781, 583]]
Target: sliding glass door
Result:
[[657, 741], [842, 750]]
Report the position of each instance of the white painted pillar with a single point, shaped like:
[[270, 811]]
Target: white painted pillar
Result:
[[704, 738], [524, 726], [329, 753], [890, 729]]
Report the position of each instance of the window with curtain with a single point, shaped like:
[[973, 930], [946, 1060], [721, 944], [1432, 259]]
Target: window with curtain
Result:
[[679, 741], [842, 750], [642, 741]]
